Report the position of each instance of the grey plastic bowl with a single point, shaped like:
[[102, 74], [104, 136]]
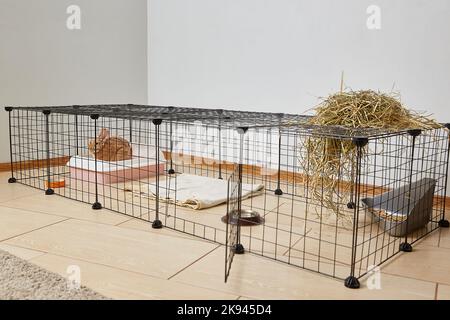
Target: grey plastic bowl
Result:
[[412, 210]]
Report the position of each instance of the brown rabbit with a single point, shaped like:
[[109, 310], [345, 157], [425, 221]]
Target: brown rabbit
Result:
[[110, 148]]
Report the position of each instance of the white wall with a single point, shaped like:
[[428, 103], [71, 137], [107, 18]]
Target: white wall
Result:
[[44, 63], [281, 55]]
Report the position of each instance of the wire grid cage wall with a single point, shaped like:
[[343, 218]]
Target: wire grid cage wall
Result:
[[242, 150]]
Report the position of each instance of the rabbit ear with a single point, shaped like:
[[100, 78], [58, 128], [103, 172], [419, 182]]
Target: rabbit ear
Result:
[[104, 133]]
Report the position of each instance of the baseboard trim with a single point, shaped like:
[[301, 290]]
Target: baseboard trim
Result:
[[33, 164]]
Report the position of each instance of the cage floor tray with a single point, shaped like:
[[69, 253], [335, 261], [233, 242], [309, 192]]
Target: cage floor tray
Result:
[[83, 169]]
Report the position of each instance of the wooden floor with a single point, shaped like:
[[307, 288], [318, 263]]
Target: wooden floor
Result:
[[124, 258]]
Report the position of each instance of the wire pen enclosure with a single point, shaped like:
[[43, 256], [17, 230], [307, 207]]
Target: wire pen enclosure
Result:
[[247, 180]]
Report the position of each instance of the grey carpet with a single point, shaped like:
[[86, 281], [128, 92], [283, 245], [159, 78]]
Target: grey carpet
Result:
[[20, 279]]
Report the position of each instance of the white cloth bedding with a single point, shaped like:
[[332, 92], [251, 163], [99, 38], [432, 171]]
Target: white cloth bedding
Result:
[[142, 156], [196, 192]]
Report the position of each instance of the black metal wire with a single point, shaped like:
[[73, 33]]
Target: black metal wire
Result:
[[273, 151], [216, 117]]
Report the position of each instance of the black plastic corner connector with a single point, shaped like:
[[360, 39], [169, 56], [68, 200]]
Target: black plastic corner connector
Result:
[[9, 109], [351, 205], [360, 141], [238, 248], [157, 122], [444, 223], [414, 132], [278, 192], [405, 247], [447, 125], [352, 283], [95, 116], [242, 130], [157, 224], [97, 206], [46, 112]]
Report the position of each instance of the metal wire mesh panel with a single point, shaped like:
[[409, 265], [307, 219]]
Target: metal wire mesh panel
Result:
[[271, 197], [232, 240]]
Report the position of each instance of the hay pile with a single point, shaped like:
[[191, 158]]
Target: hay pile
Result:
[[329, 163], [369, 109]]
